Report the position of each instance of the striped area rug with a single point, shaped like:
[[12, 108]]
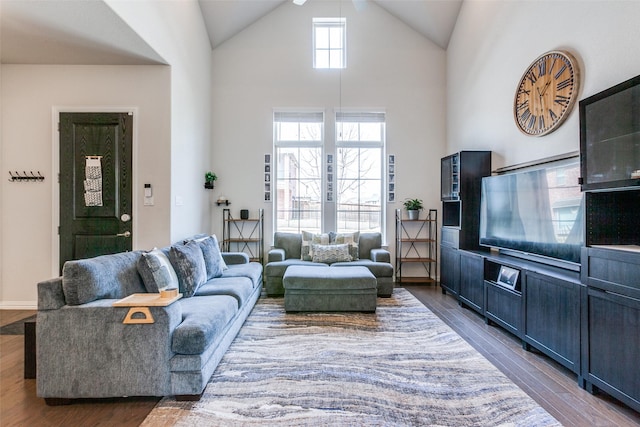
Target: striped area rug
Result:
[[401, 366]]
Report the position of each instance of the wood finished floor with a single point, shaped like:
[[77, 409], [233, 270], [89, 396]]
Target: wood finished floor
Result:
[[551, 385]]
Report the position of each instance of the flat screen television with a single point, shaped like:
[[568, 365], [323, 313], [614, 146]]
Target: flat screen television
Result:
[[536, 214]]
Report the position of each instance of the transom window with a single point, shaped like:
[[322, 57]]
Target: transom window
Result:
[[329, 43]]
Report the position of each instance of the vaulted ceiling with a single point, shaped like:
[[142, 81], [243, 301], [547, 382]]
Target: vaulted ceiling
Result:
[[434, 19], [89, 32]]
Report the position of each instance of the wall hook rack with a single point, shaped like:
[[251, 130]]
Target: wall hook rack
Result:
[[25, 177]]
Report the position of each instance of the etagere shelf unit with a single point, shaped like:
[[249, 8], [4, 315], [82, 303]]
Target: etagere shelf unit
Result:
[[416, 248], [244, 235]]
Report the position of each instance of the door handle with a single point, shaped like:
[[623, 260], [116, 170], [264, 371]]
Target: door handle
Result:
[[125, 234]]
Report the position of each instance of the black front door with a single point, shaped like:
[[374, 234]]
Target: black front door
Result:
[[95, 184]]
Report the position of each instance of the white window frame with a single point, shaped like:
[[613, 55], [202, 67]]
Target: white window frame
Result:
[[330, 24], [315, 116], [361, 117], [329, 213]]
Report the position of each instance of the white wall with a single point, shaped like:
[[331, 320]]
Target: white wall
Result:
[[174, 109], [269, 66], [495, 41], [175, 29], [29, 95]]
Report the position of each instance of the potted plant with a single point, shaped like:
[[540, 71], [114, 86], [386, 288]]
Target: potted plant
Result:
[[209, 178], [413, 207]]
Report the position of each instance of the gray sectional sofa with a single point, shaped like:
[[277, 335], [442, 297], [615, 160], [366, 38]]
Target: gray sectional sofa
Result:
[[288, 249], [85, 351]]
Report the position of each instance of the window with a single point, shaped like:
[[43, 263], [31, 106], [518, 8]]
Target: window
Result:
[[329, 43], [354, 175], [298, 139], [359, 153]]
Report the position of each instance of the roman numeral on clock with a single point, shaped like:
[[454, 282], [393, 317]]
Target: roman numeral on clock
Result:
[[562, 100], [532, 77], [532, 121], [553, 64], [563, 84], [522, 105], [560, 71], [542, 68], [552, 115]]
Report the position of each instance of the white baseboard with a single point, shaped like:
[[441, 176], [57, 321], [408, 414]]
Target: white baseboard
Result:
[[18, 305]]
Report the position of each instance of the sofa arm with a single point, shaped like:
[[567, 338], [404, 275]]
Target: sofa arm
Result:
[[380, 255], [50, 294], [276, 255], [231, 258], [86, 351]]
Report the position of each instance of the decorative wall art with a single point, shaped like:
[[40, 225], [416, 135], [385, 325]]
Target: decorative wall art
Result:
[[267, 177], [391, 178], [330, 178]]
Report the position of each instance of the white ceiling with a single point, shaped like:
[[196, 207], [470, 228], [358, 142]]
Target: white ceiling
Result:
[[89, 32], [434, 19], [68, 32]]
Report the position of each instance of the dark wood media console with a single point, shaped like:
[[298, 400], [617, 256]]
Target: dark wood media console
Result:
[[584, 314], [543, 308]]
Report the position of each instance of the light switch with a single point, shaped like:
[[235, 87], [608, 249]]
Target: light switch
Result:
[[148, 195]]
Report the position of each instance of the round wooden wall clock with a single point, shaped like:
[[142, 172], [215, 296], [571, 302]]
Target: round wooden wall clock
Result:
[[546, 93]]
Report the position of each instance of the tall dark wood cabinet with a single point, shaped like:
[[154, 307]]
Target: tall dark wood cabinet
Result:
[[612, 318], [471, 291], [449, 269], [460, 182], [610, 169]]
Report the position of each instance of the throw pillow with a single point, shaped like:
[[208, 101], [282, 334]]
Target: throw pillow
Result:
[[308, 240], [329, 254], [213, 261], [156, 271], [352, 239], [188, 262], [217, 244]]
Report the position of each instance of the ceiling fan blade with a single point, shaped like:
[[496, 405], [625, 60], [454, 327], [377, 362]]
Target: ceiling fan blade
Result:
[[299, 2]]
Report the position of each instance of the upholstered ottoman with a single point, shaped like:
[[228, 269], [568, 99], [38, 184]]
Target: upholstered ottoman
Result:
[[329, 289]]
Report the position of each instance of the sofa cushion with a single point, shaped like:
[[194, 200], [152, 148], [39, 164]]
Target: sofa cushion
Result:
[[277, 269], [240, 288], [379, 269], [308, 240], [156, 271], [203, 320], [367, 242], [251, 270], [188, 262], [213, 260], [352, 239], [329, 254], [106, 276], [290, 242]]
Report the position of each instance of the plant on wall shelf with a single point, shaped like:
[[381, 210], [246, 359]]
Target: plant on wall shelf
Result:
[[413, 207], [209, 179]]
